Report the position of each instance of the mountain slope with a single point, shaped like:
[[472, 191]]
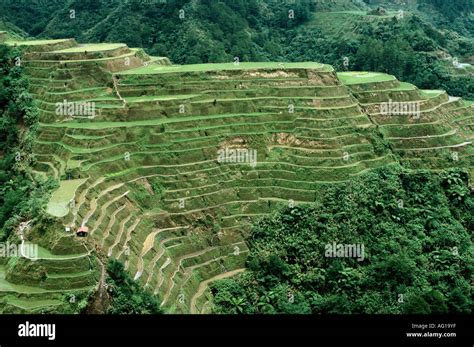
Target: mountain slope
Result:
[[453, 15], [171, 164]]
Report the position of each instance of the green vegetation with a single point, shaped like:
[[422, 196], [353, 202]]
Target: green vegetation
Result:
[[33, 42], [363, 77], [417, 257], [336, 134], [174, 218], [263, 30], [226, 66], [92, 48], [7, 286], [62, 277], [128, 297], [133, 124], [20, 196]]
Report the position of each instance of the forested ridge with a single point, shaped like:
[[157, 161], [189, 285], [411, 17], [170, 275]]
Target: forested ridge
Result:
[[191, 32], [21, 197]]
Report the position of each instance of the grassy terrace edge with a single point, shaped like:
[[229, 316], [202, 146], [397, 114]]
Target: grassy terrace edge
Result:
[[162, 69]]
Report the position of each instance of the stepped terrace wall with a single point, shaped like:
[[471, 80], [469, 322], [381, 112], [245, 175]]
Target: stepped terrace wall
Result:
[[423, 137], [157, 197], [162, 192]]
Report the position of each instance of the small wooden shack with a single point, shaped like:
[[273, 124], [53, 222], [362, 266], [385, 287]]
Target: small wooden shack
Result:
[[83, 231]]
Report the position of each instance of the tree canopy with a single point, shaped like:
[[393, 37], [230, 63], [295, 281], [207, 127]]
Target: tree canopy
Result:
[[415, 228]]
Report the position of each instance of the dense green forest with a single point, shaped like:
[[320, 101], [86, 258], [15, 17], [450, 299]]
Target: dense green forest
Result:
[[128, 297], [455, 15], [21, 197], [415, 228], [270, 30]]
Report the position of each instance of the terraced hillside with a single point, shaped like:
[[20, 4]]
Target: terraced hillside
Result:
[[163, 173], [48, 280], [436, 134]]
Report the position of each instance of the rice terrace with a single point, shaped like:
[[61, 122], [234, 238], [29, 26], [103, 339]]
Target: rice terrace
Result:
[[218, 187]]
